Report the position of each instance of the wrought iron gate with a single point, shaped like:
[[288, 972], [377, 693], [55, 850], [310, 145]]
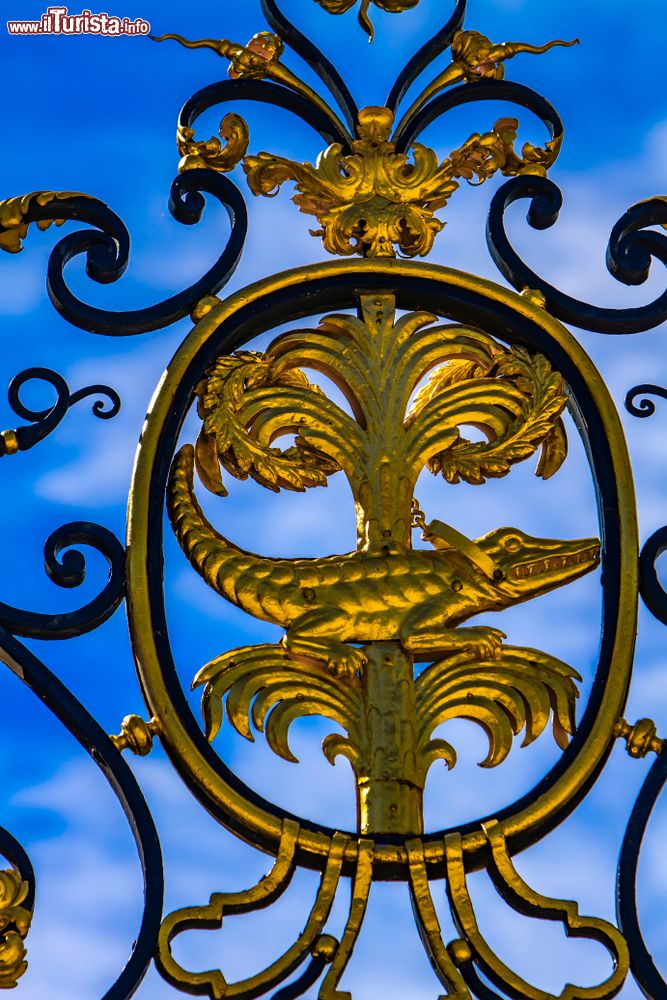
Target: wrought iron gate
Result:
[[376, 640]]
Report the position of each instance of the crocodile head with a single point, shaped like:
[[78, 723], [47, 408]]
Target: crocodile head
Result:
[[526, 567]]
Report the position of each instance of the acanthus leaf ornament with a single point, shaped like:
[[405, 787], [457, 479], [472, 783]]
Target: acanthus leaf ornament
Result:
[[369, 197], [14, 216], [376, 201]]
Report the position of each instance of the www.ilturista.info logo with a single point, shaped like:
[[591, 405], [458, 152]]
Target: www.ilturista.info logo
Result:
[[58, 21]]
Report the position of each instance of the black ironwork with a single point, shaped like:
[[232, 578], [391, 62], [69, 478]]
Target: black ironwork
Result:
[[43, 422], [644, 969], [632, 247]]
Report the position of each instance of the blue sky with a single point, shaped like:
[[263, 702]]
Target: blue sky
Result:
[[98, 116]]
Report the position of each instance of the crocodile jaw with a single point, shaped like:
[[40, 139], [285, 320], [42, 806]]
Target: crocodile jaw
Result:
[[531, 566], [582, 561]]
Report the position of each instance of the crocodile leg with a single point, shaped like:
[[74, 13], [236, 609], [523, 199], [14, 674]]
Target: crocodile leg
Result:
[[312, 637], [423, 635]]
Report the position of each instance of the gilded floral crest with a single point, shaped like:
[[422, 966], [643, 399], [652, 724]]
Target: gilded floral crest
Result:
[[392, 6], [375, 201]]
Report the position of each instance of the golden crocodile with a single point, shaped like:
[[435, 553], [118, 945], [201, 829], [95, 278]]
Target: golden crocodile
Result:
[[413, 596]]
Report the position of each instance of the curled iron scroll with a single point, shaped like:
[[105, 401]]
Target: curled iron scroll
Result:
[[107, 253], [644, 969], [484, 90], [646, 407], [43, 422], [425, 56], [46, 686], [632, 247], [303, 47], [68, 569]]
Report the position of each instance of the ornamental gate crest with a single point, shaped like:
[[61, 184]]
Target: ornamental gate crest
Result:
[[376, 366]]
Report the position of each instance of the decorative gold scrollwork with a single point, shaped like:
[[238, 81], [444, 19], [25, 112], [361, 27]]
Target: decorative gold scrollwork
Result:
[[13, 213], [390, 428], [360, 891], [527, 901], [429, 925], [475, 57], [376, 201], [265, 893], [211, 153]]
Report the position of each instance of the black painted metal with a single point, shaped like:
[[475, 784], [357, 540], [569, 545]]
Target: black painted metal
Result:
[[629, 255], [652, 591], [16, 855], [46, 686], [107, 249], [264, 92], [43, 422], [644, 969], [314, 970], [70, 572], [646, 407], [476, 985], [484, 90], [309, 52], [426, 55]]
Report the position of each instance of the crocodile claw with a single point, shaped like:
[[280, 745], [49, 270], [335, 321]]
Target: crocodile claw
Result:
[[483, 643], [348, 665]]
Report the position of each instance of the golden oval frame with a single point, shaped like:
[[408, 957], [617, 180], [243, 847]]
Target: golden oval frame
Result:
[[532, 819]]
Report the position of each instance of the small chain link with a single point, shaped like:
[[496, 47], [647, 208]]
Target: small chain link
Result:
[[418, 515]]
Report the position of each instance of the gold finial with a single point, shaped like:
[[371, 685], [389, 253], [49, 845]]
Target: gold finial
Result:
[[136, 735], [534, 296], [640, 739], [10, 441], [460, 952]]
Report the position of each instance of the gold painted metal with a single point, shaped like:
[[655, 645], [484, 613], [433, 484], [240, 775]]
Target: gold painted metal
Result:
[[475, 57], [265, 893], [211, 153], [528, 902], [640, 739], [204, 306], [375, 201], [15, 923], [10, 441], [359, 899], [406, 603], [392, 6], [382, 509], [371, 200], [422, 903], [535, 296], [136, 735], [13, 212], [258, 60]]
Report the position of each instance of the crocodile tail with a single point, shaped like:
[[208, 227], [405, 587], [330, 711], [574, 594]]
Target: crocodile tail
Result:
[[215, 558]]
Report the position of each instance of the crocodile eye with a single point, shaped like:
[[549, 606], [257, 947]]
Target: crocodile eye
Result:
[[512, 543]]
